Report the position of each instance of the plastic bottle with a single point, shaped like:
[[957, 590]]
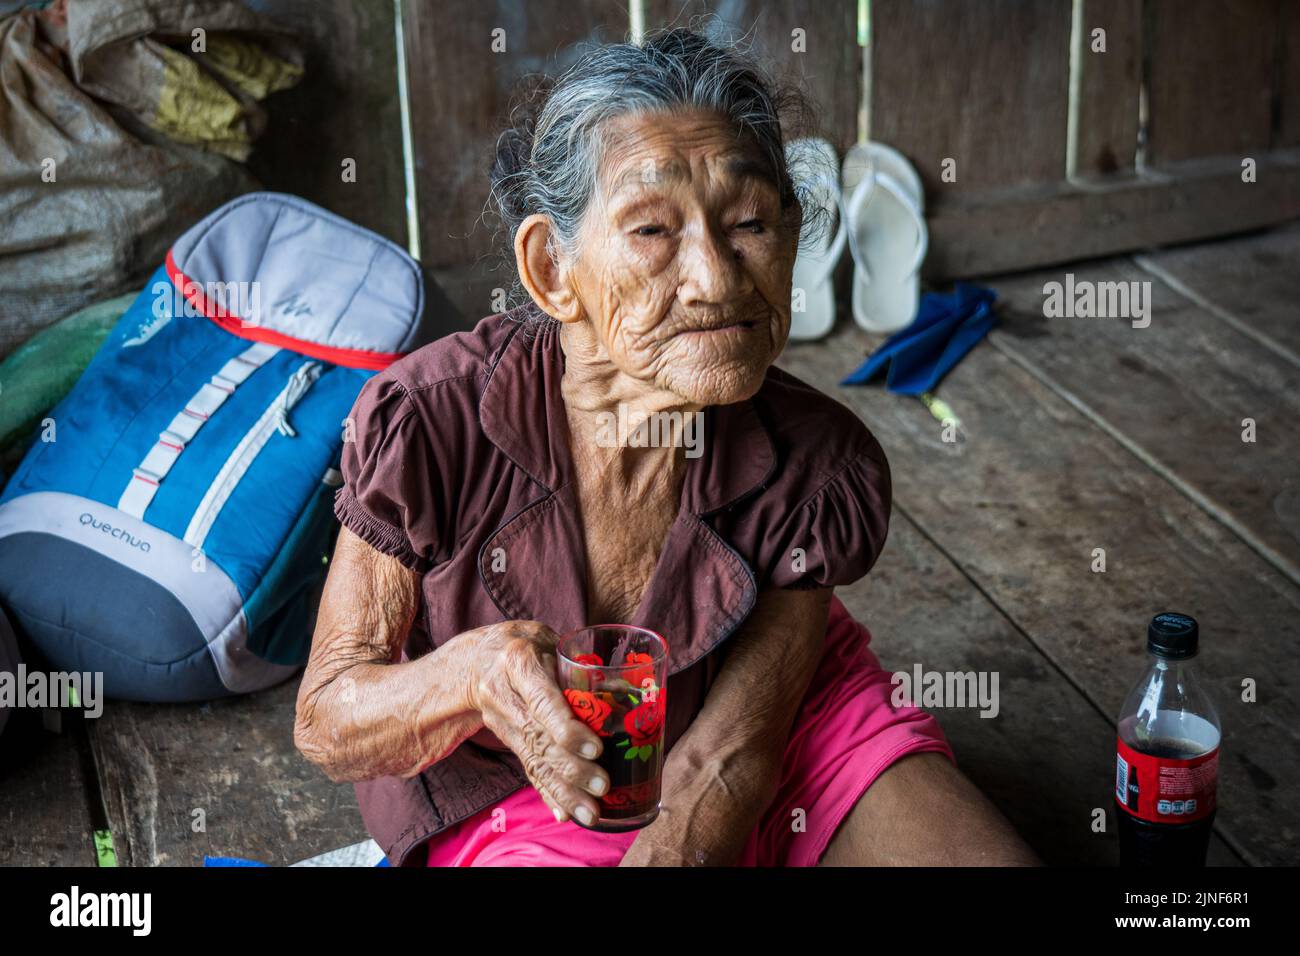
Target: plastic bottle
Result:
[[1167, 760]]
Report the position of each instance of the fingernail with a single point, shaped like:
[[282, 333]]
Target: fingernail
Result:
[[559, 816], [589, 749], [597, 785], [583, 814]]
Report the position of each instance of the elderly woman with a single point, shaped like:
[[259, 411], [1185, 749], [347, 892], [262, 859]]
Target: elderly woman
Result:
[[488, 507]]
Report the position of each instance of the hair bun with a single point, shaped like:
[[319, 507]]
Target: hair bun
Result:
[[508, 177], [513, 149]]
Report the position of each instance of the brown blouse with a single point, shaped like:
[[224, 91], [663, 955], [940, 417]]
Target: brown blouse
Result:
[[460, 468]]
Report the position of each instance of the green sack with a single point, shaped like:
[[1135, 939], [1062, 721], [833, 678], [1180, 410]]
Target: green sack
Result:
[[36, 376]]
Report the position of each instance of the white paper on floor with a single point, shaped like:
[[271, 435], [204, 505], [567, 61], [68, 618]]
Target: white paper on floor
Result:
[[366, 853]]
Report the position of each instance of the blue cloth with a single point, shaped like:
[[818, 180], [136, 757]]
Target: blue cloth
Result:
[[237, 861], [229, 861], [945, 329]]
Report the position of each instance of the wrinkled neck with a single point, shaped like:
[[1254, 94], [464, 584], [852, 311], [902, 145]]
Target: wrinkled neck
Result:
[[622, 428]]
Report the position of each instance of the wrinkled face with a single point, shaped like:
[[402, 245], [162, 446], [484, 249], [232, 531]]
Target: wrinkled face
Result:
[[685, 258]]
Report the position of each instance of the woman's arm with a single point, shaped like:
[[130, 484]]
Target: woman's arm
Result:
[[362, 715], [723, 772]]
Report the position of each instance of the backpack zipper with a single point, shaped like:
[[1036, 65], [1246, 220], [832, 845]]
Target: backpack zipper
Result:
[[274, 419]]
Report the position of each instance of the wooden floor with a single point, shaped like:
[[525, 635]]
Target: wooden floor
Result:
[[1076, 434]]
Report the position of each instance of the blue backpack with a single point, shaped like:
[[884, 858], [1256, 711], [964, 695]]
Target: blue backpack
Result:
[[170, 524]]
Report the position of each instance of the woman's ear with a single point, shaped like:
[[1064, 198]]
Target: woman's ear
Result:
[[546, 282]]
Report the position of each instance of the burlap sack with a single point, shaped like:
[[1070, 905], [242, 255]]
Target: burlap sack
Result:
[[117, 134]]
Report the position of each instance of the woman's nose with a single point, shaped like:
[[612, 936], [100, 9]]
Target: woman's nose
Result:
[[712, 270]]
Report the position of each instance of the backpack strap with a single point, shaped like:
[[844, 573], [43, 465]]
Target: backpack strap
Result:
[[146, 477]]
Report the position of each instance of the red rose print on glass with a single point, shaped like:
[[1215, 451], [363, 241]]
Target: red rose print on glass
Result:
[[613, 677], [589, 708], [645, 724]]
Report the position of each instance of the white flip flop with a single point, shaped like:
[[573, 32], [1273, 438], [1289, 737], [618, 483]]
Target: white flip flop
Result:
[[885, 211], [814, 164]]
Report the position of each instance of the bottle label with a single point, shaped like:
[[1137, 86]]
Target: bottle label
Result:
[[1165, 789]]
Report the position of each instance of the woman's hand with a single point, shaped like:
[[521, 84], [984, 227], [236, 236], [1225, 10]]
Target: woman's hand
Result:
[[362, 715], [722, 774], [515, 692]]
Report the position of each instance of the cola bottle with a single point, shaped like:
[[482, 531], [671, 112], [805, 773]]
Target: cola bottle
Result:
[[1167, 754]]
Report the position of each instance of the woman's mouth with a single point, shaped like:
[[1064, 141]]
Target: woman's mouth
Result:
[[733, 328]]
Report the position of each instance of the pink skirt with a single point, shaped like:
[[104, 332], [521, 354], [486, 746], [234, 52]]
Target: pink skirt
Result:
[[844, 736]]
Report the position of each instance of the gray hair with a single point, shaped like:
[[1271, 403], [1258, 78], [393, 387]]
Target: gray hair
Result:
[[547, 161]]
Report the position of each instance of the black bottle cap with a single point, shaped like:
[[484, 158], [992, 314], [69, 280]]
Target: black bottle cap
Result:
[[1172, 635]]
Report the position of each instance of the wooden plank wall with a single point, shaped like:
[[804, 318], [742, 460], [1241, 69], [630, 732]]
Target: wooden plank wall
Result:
[[1109, 87], [1221, 85], [463, 71], [345, 108], [809, 43], [991, 102], [1210, 77], [1286, 103]]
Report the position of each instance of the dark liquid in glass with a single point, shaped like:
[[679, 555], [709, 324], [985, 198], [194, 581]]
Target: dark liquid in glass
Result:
[[632, 755], [613, 678]]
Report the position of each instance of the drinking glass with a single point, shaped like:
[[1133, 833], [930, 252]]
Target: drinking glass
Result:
[[613, 677]]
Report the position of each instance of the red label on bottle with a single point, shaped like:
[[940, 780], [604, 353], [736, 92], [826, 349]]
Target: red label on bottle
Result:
[[1163, 789]]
